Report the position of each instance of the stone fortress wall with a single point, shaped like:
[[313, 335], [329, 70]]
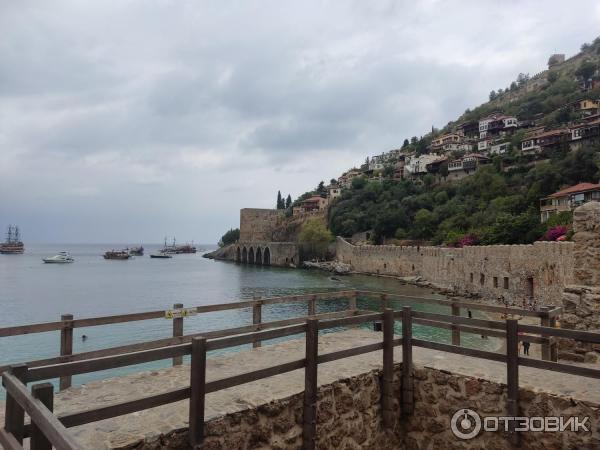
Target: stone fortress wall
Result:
[[349, 416], [257, 224], [522, 274]]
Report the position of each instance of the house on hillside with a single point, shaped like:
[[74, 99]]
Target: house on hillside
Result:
[[311, 205], [333, 192], [537, 142], [497, 124], [469, 129], [586, 107], [465, 166], [345, 180], [584, 133], [416, 166], [568, 199]]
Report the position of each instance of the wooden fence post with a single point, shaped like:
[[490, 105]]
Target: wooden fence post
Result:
[[407, 379], [553, 340], [455, 329], [197, 391], [545, 322], [178, 331], [383, 298], [352, 301], [44, 392], [512, 376], [387, 391], [257, 318], [14, 417], [309, 429], [312, 305], [66, 346]]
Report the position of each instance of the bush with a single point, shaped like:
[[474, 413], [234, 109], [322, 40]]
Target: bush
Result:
[[314, 239], [230, 237]]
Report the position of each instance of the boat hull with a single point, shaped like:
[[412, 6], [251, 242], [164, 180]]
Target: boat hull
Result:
[[56, 261]]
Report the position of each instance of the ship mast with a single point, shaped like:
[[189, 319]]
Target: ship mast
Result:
[[17, 237], [9, 234]]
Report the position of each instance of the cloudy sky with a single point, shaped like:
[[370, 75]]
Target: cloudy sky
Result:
[[125, 121]]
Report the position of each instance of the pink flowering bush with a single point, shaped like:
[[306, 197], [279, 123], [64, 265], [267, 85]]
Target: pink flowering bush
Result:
[[467, 240], [555, 233]]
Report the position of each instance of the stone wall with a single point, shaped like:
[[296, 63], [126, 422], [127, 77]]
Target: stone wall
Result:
[[283, 254], [581, 300], [258, 224], [349, 417], [518, 274]]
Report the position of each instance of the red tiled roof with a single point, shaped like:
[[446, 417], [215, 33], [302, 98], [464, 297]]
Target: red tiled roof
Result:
[[581, 187]]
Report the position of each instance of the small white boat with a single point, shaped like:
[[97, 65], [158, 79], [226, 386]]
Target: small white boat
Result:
[[61, 258]]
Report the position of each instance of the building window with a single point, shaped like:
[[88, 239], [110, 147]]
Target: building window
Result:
[[529, 288], [481, 279], [505, 282], [495, 282], [471, 277]]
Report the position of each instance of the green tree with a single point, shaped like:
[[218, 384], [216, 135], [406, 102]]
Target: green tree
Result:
[[230, 237], [586, 69], [493, 95], [288, 202], [424, 224], [280, 202], [359, 182], [314, 239], [552, 76], [405, 143], [321, 190]]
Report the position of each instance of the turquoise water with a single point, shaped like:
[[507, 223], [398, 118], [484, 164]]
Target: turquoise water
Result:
[[31, 292]]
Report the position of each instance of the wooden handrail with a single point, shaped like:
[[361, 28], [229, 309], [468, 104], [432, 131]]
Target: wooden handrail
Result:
[[158, 314], [47, 422], [463, 304]]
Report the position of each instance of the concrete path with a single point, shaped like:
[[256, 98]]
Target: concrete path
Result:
[[120, 431]]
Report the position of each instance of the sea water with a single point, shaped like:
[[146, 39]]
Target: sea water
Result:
[[33, 292]]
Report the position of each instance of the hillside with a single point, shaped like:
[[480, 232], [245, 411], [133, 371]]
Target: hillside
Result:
[[498, 200]]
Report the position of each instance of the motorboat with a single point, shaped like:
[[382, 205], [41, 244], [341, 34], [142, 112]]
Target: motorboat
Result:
[[161, 255], [61, 258]]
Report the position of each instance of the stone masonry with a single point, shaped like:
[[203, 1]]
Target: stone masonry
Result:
[[523, 275], [581, 300]]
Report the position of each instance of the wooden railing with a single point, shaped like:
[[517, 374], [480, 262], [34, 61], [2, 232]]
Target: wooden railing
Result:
[[53, 429], [46, 430]]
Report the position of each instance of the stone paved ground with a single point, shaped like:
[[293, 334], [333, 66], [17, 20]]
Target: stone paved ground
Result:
[[120, 431]]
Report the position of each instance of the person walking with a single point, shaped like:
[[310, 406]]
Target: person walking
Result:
[[526, 345]]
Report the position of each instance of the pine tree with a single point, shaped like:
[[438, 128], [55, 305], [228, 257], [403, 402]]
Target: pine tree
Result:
[[288, 201], [280, 203]]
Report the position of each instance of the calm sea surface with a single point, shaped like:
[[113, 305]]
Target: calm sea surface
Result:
[[31, 292]]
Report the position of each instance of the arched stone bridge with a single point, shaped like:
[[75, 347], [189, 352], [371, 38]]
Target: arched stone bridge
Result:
[[284, 254], [265, 253]]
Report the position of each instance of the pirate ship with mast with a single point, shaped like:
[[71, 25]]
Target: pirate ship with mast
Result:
[[13, 244]]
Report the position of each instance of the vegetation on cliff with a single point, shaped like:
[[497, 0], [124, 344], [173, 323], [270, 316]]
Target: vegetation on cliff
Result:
[[314, 239], [230, 237], [494, 206]]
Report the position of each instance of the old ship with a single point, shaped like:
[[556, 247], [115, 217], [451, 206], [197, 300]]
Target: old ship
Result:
[[13, 244]]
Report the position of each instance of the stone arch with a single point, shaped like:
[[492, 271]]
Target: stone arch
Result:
[[258, 258], [267, 257], [238, 255], [244, 255], [251, 256]]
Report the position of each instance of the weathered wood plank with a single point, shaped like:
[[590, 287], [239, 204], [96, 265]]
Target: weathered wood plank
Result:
[[8, 441], [309, 428], [66, 346], [353, 320], [483, 354], [560, 367], [387, 391], [44, 392], [197, 391], [349, 352], [407, 388], [14, 417], [585, 336], [257, 320], [461, 304], [52, 428], [460, 320], [476, 330], [512, 377], [248, 377], [177, 332]]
